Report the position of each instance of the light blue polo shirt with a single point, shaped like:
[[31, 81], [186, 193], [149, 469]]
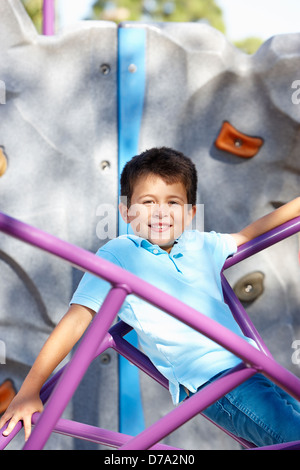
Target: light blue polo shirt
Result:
[[190, 272]]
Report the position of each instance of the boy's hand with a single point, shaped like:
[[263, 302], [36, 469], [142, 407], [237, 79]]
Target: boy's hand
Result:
[[62, 339], [21, 408]]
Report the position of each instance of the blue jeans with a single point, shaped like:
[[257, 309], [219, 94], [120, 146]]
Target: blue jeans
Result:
[[258, 411]]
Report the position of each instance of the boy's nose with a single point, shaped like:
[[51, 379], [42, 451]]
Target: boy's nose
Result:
[[160, 211]]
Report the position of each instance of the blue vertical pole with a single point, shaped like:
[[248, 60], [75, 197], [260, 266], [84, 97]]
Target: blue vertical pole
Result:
[[131, 90]]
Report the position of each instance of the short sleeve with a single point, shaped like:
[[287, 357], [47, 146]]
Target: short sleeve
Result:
[[92, 290], [230, 246], [224, 246]]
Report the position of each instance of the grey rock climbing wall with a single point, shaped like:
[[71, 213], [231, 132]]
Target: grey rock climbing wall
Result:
[[58, 126], [59, 136], [196, 80]]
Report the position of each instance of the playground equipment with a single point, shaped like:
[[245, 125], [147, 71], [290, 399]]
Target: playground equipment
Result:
[[98, 338], [77, 105]]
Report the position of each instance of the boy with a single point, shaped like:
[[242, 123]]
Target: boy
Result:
[[160, 188]]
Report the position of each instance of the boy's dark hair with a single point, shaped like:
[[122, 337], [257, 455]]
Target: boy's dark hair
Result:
[[172, 166]]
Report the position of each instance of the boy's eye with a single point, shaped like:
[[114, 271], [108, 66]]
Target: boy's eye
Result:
[[150, 202]]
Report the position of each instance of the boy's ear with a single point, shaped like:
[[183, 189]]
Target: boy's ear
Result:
[[124, 212], [190, 215], [193, 211]]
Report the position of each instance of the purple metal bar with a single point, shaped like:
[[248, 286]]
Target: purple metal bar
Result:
[[51, 383], [94, 434], [48, 28], [295, 445], [76, 368], [114, 339], [241, 316], [113, 274], [139, 359], [245, 251], [5, 440], [264, 241], [87, 261], [188, 409]]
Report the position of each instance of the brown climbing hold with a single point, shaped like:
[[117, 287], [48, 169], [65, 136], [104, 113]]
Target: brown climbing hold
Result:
[[232, 141], [7, 393], [3, 162]]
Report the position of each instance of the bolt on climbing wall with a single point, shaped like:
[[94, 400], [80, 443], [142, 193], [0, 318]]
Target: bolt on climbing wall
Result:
[[235, 115]]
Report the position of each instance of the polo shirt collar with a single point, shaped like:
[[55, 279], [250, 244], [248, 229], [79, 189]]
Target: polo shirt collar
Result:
[[142, 242]]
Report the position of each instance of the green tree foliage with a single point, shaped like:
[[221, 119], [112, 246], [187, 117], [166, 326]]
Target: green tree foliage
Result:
[[160, 10], [34, 9], [153, 10], [249, 45]]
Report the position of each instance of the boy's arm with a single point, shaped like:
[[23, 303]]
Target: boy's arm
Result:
[[283, 214], [58, 345]]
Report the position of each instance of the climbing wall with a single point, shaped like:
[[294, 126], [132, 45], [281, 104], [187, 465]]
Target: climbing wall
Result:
[[58, 132], [76, 106]]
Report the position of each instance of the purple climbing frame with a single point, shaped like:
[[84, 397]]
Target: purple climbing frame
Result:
[[48, 17], [100, 336]]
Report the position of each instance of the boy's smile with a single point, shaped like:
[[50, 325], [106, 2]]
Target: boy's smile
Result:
[[159, 212]]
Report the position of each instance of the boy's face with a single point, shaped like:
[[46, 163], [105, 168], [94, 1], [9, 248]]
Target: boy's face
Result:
[[159, 212]]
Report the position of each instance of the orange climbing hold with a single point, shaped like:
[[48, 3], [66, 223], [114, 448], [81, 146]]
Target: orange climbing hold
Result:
[[3, 162], [7, 393], [232, 141]]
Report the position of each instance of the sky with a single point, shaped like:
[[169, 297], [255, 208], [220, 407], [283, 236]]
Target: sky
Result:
[[71, 11], [243, 18], [261, 18]]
